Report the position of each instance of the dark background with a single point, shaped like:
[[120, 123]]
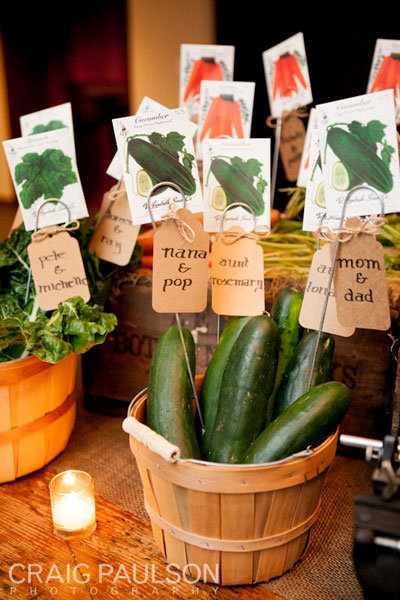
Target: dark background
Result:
[[77, 52]]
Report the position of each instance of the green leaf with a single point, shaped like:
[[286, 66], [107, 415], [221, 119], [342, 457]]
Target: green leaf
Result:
[[371, 134], [172, 143], [250, 168], [44, 175], [261, 185], [51, 126], [187, 160], [386, 153], [13, 341]]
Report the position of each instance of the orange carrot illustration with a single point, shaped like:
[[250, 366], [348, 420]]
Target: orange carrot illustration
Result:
[[286, 70], [203, 68], [388, 76], [223, 113]]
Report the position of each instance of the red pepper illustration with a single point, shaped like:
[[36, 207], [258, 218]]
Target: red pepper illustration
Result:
[[224, 114], [388, 76], [203, 68], [286, 70]]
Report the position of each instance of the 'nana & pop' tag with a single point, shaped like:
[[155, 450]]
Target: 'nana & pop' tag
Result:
[[180, 265], [115, 236], [315, 294], [237, 274], [57, 265], [360, 277]]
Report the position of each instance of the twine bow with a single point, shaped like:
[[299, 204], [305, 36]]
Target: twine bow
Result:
[[301, 113], [370, 226], [45, 232], [184, 229], [233, 235]]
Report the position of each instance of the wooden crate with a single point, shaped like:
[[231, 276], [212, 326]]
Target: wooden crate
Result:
[[230, 524], [37, 413]]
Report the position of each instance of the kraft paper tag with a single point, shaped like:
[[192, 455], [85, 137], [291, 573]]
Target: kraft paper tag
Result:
[[293, 137], [115, 236], [57, 269], [180, 268], [315, 294], [237, 276], [360, 282]]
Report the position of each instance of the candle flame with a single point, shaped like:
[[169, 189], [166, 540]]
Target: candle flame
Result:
[[69, 478]]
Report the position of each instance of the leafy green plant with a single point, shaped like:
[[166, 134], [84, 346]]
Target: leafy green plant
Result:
[[51, 126], [75, 326], [44, 174]]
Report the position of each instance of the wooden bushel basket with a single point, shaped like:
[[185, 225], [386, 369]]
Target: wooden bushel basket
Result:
[[37, 413], [227, 524]]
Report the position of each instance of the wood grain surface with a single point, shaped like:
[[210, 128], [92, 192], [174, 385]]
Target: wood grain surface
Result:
[[119, 560]]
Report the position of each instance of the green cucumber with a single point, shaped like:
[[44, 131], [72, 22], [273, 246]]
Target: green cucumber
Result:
[[169, 396], [212, 379], [305, 423], [295, 380], [247, 383], [285, 311], [237, 186]]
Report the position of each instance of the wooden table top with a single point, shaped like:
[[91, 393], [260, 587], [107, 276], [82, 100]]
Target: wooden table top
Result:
[[119, 560]]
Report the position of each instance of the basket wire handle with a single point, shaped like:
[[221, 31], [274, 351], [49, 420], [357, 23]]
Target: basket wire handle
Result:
[[221, 230], [332, 271], [177, 317], [36, 228]]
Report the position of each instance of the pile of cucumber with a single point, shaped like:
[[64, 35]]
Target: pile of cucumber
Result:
[[254, 398]]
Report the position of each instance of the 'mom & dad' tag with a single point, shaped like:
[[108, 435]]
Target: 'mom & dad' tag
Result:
[[360, 282], [57, 267], [315, 294], [237, 274], [115, 236], [180, 265], [293, 136]]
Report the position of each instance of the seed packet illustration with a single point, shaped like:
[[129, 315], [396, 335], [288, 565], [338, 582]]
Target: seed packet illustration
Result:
[[226, 110], [48, 119], [359, 148], [315, 211], [202, 62], [154, 149], [385, 70], [286, 74], [148, 106], [43, 167], [304, 171], [236, 171]]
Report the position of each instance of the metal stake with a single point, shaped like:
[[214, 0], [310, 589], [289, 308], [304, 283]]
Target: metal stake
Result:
[[275, 158], [335, 253], [177, 318]]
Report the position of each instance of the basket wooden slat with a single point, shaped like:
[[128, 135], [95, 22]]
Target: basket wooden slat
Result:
[[242, 524]]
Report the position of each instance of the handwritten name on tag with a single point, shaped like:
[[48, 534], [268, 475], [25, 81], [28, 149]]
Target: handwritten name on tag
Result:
[[315, 295], [180, 265], [115, 236], [57, 268], [360, 282], [293, 137], [237, 275]]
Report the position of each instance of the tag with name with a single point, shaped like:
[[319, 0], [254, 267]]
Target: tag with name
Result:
[[360, 282], [180, 267], [115, 236], [315, 295], [237, 275], [293, 137], [57, 269]]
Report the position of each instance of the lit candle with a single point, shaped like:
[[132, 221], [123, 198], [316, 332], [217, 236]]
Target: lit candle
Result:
[[72, 504]]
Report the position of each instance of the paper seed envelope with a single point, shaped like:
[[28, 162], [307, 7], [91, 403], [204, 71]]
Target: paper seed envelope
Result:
[[48, 119], [305, 170], [359, 148], [148, 106], [198, 62], [43, 166], [236, 171], [385, 70], [226, 110], [286, 74], [153, 149]]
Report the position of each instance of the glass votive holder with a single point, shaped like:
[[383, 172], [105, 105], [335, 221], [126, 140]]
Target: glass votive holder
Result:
[[72, 504]]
